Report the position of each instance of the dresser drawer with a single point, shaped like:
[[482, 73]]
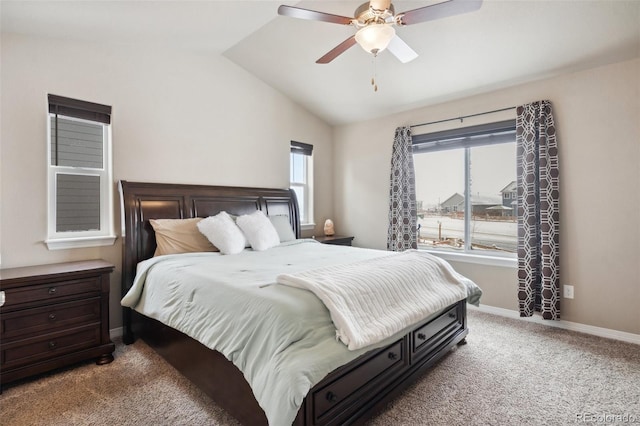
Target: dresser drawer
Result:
[[439, 328], [338, 392], [47, 318], [50, 292], [48, 346]]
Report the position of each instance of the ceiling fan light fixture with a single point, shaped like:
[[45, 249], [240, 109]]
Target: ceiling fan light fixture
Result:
[[374, 38]]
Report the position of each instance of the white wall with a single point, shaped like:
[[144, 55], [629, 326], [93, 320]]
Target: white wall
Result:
[[177, 117], [597, 116]]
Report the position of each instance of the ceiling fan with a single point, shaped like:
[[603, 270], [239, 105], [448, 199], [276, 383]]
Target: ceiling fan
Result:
[[375, 21]]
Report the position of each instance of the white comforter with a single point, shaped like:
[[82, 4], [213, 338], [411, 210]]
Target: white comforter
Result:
[[372, 299]]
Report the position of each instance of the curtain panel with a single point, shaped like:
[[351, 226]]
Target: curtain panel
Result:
[[538, 211], [402, 233]]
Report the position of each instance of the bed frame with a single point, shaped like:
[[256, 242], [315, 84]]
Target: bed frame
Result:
[[349, 394]]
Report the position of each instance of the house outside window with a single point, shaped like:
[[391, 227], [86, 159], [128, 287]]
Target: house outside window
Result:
[[80, 194], [509, 193], [301, 180], [465, 181]]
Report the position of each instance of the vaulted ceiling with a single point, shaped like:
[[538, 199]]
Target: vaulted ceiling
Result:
[[505, 42]]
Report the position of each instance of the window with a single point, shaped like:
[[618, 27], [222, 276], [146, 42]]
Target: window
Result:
[[80, 196], [479, 162], [301, 180]]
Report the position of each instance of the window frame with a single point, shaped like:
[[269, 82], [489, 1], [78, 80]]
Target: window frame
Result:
[[467, 138], [306, 151], [86, 112]]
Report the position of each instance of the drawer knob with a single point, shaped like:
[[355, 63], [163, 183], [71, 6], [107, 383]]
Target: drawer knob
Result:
[[331, 397], [52, 345], [52, 316], [392, 355], [421, 336], [452, 315], [52, 290]]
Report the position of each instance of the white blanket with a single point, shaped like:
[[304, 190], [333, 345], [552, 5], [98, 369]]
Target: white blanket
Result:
[[372, 299]]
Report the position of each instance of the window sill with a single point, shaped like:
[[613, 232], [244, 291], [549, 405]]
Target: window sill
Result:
[[505, 262], [307, 226], [79, 242]]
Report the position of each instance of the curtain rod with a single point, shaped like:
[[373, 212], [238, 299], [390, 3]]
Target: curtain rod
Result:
[[462, 117]]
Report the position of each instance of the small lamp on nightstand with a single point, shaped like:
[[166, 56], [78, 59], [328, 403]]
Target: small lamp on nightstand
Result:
[[328, 228]]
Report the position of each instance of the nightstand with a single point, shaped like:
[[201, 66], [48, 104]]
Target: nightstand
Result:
[[339, 240], [54, 315]]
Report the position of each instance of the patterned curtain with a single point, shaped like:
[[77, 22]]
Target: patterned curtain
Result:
[[538, 212], [402, 234]]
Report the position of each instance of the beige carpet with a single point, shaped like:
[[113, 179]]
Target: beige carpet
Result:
[[510, 373]]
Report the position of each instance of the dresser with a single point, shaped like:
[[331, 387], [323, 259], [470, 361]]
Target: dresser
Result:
[[53, 316]]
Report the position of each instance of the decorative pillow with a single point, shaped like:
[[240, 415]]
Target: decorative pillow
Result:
[[222, 231], [175, 236], [235, 218], [283, 227], [258, 230]]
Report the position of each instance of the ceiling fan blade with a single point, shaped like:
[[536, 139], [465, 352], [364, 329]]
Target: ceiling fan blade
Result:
[[380, 4], [312, 15], [401, 50], [336, 51], [437, 11]]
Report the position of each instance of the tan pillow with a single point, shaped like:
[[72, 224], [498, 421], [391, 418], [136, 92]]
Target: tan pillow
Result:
[[175, 236]]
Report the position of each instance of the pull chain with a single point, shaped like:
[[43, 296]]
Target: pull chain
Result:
[[375, 71]]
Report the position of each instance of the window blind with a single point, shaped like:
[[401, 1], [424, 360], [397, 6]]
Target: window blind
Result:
[[60, 105], [484, 134], [301, 148]]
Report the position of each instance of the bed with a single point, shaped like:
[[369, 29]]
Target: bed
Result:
[[348, 394]]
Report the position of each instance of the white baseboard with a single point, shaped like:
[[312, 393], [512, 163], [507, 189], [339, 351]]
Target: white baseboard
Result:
[[567, 325]]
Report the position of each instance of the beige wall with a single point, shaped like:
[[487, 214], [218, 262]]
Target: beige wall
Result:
[[177, 117], [597, 115], [195, 118]]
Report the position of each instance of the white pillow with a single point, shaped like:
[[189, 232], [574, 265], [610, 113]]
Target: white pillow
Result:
[[234, 217], [283, 227], [223, 233], [258, 230]]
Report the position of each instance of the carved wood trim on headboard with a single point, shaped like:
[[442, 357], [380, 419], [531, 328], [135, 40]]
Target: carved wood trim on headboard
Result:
[[141, 201]]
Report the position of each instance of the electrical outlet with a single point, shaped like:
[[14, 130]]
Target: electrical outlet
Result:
[[568, 291]]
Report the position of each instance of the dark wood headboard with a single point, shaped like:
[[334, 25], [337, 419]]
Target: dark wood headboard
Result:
[[143, 201]]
